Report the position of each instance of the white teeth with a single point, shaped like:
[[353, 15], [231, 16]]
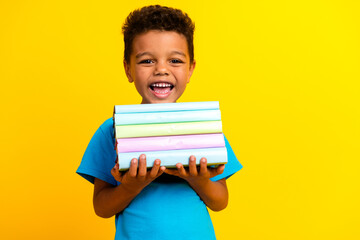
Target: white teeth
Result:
[[161, 85], [162, 91]]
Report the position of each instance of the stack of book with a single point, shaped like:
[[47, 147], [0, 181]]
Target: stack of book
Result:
[[171, 132]]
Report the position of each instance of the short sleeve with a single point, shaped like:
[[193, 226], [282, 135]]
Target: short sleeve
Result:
[[100, 155], [232, 166]]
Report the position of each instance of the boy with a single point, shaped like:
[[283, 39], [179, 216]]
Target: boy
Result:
[[156, 203]]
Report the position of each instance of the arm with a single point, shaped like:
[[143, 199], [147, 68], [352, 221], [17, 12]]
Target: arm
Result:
[[214, 194], [109, 200]]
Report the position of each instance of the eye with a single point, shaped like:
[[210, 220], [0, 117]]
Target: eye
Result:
[[146, 61], [176, 61]]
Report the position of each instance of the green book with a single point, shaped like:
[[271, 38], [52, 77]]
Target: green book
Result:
[[167, 129]]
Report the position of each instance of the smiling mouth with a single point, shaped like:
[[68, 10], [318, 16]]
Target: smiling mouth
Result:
[[161, 87]]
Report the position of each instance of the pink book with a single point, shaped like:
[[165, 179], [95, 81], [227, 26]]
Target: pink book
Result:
[[163, 143]]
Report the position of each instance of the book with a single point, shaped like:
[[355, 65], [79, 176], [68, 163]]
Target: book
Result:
[[170, 158], [166, 107], [166, 129], [171, 132], [166, 117], [162, 143]]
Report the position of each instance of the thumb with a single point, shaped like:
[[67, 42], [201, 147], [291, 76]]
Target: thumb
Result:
[[217, 171], [116, 173]]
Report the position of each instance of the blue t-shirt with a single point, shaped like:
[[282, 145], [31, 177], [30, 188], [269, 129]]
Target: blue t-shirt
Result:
[[168, 208]]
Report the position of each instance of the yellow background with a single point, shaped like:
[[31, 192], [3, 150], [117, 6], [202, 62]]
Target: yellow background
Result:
[[286, 74]]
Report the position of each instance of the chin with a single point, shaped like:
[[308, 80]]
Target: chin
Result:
[[151, 99], [163, 101]]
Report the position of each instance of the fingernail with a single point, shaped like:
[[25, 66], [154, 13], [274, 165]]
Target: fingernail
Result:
[[142, 156], [134, 161], [203, 160]]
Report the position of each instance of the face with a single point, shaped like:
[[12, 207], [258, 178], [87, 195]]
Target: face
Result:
[[159, 66]]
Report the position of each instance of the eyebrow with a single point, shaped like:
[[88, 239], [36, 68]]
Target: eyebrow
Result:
[[142, 54], [180, 53], [148, 53]]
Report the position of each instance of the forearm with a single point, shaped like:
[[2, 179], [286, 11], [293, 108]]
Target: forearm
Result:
[[111, 200], [214, 194]]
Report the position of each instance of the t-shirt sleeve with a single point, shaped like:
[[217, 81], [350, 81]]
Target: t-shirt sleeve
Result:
[[100, 155], [232, 166]]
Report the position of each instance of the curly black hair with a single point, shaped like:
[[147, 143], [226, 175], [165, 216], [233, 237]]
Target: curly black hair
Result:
[[156, 17]]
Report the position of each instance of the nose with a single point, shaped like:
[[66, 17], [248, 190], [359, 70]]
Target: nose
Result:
[[161, 69]]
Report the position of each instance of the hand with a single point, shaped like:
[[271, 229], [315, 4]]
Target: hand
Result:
[[194, 174], [136, 179]]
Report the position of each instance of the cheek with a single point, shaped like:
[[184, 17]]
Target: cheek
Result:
[[182, 75], [142, 75]]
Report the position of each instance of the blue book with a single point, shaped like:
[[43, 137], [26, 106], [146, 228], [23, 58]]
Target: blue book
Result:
[[166, 107], [170, 158], [166, 117]]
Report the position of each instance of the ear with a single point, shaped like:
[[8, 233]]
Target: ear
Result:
[[128, 72], [191, 70]]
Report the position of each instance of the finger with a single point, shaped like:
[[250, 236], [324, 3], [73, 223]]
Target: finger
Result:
[[155, 169], [113, 171], [181, 170], [203, 166], [161, 171], [133, 167], [220, 169], [174, 172], [216, 171], [142, 166], [192, 166], [116, 173]]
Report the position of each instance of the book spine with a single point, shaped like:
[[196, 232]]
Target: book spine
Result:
[[166, 117], [166, 107], [170, 158], [164, 143], [167, 129]]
